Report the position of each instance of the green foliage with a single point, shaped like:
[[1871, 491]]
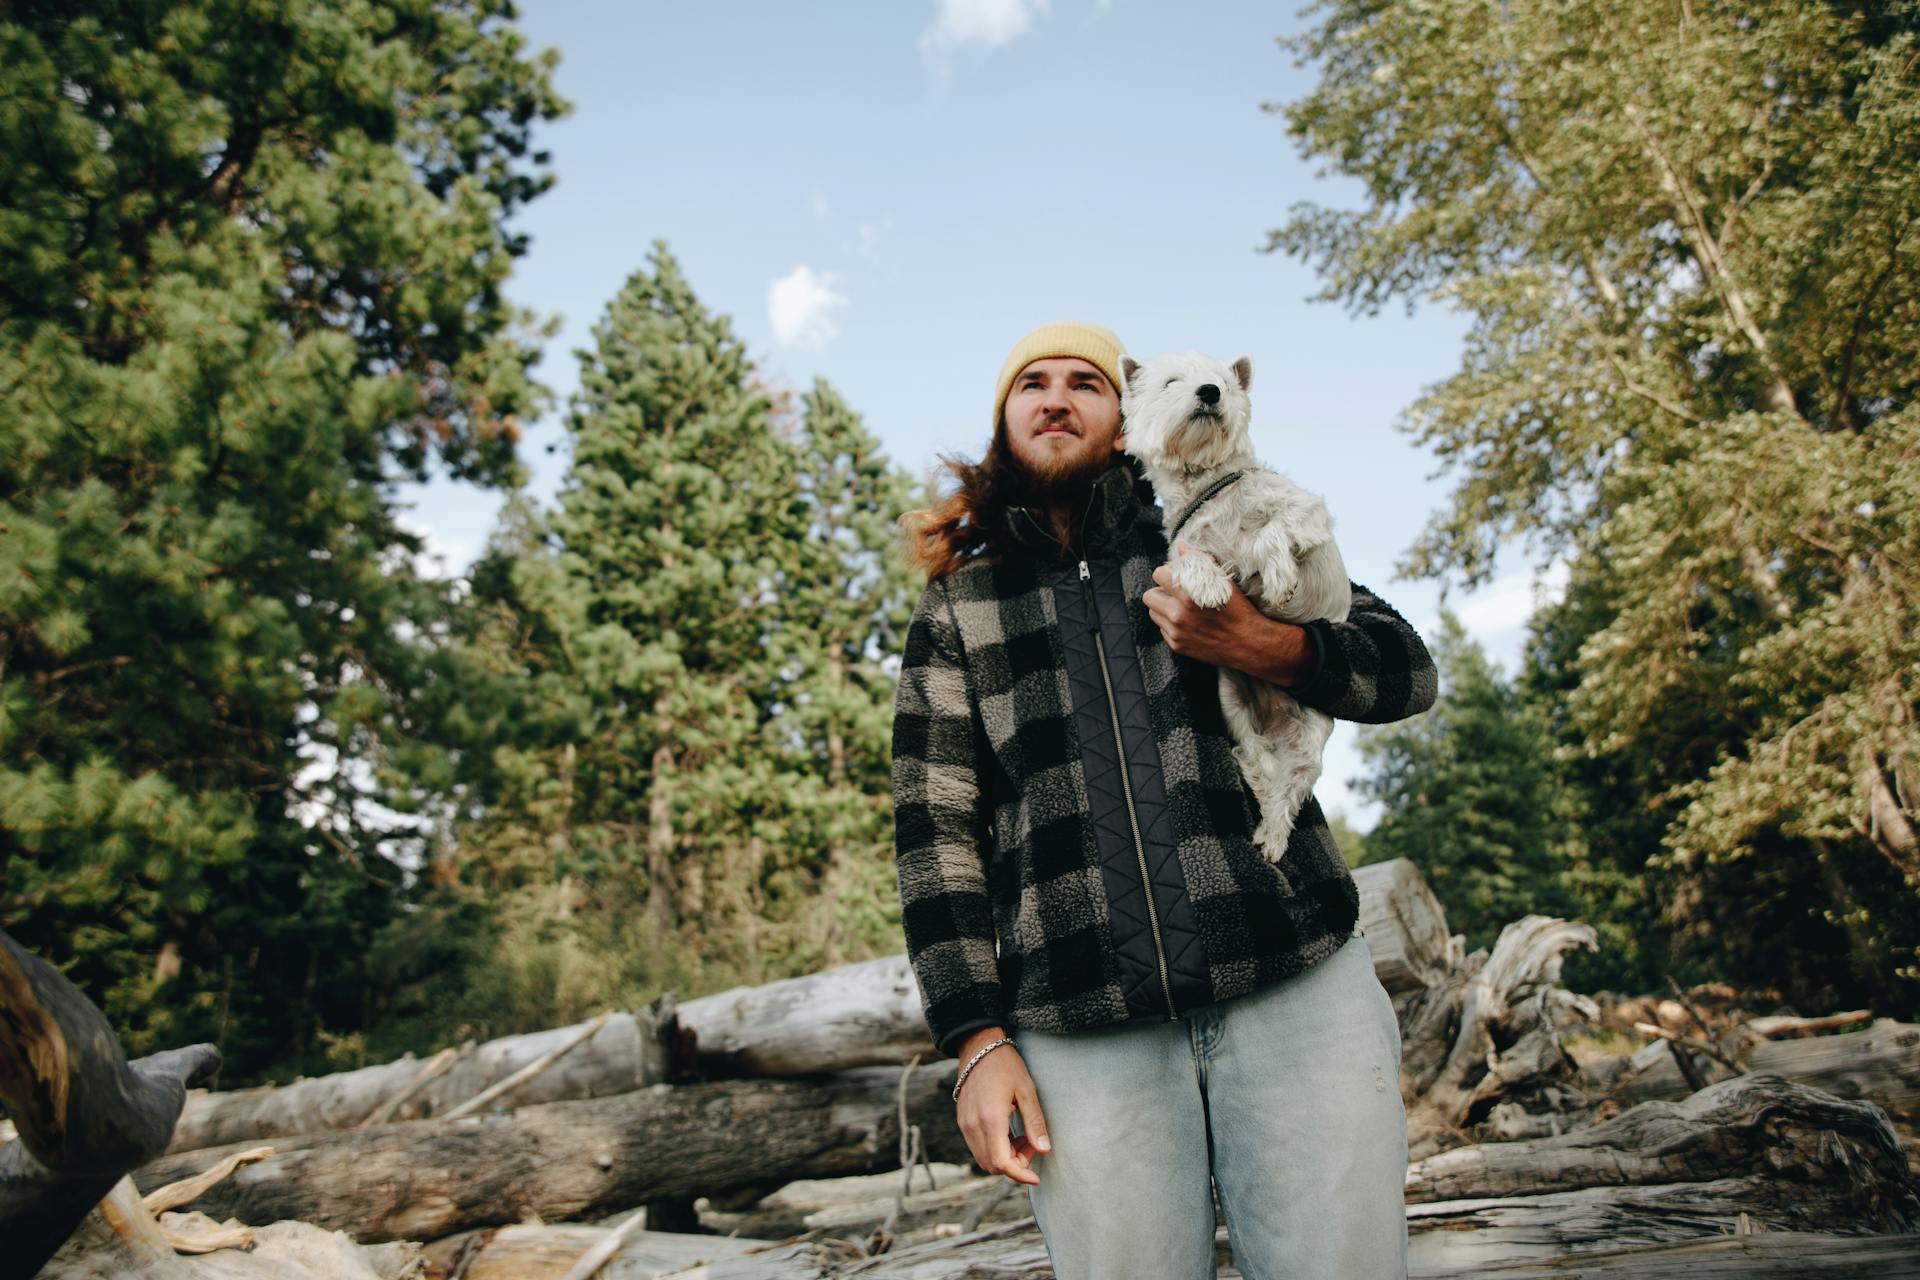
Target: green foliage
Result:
[[685, 781], [1469, 795], [1685, 236], [1352, 844], [250, 269]]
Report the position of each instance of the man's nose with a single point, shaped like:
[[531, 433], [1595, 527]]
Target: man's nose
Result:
[[1209, 394]]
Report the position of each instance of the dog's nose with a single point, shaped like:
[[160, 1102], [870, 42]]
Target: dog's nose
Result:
[[1209, 394]]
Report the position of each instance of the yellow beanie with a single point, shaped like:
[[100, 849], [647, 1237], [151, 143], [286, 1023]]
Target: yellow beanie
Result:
[[1099, 347]]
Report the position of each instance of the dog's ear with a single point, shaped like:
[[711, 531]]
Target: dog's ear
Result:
[[1243, 371], [1128, 367]]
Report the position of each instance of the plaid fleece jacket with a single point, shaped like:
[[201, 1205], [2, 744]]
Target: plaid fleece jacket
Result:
[[1073, 838]]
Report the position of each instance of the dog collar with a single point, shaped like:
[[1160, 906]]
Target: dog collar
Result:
[[1201, 501]]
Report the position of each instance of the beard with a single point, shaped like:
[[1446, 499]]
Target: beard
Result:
[[1067, 480]]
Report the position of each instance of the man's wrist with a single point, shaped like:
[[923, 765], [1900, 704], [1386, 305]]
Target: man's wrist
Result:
[[974, 1039], [1280, 653]]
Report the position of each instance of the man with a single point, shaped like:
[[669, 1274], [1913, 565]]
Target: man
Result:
[[1094, 933]]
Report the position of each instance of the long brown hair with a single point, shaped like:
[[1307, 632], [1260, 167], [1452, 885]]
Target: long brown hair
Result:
[[971, 521]]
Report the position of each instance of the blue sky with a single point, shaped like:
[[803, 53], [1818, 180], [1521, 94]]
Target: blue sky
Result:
[[889, 195]]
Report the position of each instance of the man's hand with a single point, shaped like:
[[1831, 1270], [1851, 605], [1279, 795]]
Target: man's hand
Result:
[[1235, 635], [997, 1086]]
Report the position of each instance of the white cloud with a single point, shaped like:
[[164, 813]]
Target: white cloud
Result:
[[801, 305], [988, 22], [1497, 614], [1506, 602]]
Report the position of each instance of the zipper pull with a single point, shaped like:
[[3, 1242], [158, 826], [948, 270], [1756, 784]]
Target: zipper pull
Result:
[[1084, 575]]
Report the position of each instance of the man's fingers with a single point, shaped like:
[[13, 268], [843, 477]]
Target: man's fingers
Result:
[[1007, 1161], [1032, 1122]]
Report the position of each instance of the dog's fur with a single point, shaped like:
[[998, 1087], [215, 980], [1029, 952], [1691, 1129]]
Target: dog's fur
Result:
[[1262, 531]]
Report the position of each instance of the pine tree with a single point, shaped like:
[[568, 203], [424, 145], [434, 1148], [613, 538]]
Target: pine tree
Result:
[[689, 778], [250, 277], [1469, 796], [845, 598], [671, 521]]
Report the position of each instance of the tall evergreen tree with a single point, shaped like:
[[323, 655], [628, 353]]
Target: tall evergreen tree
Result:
[[845, 600], [250, 278], [1468, 794], [671, 522], [1686, 238], [688, 782]]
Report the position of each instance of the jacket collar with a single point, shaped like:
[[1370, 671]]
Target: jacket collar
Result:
[[1113, 509]]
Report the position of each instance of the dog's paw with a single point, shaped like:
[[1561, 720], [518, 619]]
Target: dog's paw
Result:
[[1273, 544], [1272, 837], [1204, 581]]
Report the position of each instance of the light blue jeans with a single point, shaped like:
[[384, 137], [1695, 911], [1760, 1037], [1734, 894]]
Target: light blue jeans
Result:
[[1289, 1095]]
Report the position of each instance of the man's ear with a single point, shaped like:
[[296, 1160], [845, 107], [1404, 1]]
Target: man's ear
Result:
[[1128, 367], [1243, 371]]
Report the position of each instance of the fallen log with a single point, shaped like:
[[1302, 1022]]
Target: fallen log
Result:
[[85, 1116], [854, 1015], [1016, 1252], [625, 1053], [562, 1160], [531, 1251], [1406, 927], [1880, 1063], [1478, 1233], [1768, 1255], [1525, 957], [1757, 1126], [118, 1240]]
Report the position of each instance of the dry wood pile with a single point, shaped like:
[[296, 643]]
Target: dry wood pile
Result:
[[802, 1130]]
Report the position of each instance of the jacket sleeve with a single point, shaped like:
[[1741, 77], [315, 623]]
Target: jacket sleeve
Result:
[[942, 816], [1373, 667]]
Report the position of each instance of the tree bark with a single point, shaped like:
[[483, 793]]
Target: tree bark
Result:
[[1880, 1064], [625, 1054], [1510, 999], [863, 1014], [1405, 926], [564, 1160], [85, 1115], [1754, 1126]]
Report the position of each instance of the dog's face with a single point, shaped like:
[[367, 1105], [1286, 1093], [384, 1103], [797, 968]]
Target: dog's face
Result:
[[1185, 411]]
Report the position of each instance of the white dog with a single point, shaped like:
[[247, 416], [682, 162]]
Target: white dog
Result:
[[1186, 421]]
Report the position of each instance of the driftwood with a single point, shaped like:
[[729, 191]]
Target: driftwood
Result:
[[530, 1251], [1405, 927], [1881, 1063], [1483, 1047], [1786, 1156], [560, 1160], [862, 1014], [1765, 1129], [623, 1054], [119, 1241], [85, 1115], [1770, 1255], [1017, 1253], [821, 1203], [1452, 1234]]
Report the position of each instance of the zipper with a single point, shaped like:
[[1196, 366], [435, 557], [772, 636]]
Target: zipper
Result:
[[1126, 788]]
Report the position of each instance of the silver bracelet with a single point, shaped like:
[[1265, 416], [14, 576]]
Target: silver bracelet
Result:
[[977, 1055]]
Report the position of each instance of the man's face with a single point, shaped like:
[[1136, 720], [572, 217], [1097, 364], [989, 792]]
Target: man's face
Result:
[[1063, 422]]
